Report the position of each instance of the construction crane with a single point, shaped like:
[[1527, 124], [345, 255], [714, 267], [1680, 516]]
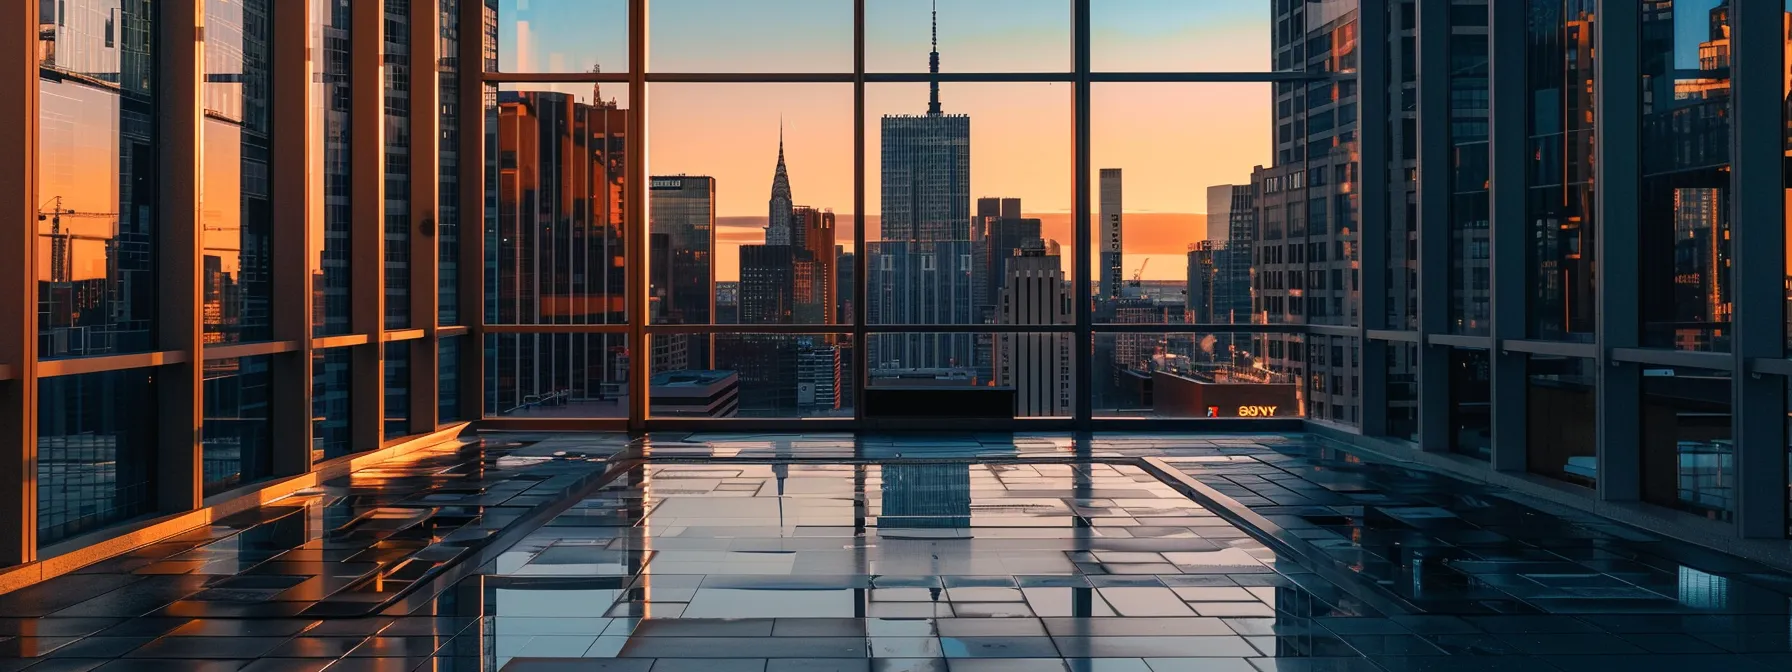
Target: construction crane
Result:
[[59, 255], [1138, 276]]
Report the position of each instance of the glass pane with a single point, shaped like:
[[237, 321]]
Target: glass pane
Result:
[[398, 389], [557, 35], [972, 35], [1165, 252], [1178, 35], [554, 192], [934, 260], [97, 182], [448, 407], [1403, 391], [1561, 441], [1010, 375], [1689, 459], [397, 101], [1684, 279], [1560, 212], [1471, 416], [750, 206], [234, 210], [448, 166], [556, 375], [1470, 277], [330, 375], [751, 376], [331, 218], [750, 36], [96, 451], [237, 435], [1192, 375]]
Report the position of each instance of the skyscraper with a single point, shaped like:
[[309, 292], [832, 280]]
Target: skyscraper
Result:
[[1305, 234], [814, 281], [1038, 366], [1003, 233], [1112, 272], [780, 209], [554, 246], [681, 282], [921, 271]]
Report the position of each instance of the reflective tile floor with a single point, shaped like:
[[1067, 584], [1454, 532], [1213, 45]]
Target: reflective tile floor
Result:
[[781, 553]]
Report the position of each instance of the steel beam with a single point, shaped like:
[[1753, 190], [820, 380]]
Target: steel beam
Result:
[[635, 217], [1433, 56], [1618, 111], [293, 207], [1758, 247], [367, 235], [1373, 40], [470, 282], [1507, 146], [1081, 216], [426, 184], [18, 283], [179, 71]]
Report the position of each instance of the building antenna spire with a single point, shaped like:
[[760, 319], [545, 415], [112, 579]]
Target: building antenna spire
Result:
[[933, 64]]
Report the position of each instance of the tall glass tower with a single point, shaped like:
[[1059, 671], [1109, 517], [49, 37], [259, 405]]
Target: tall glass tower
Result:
[[922, 270]]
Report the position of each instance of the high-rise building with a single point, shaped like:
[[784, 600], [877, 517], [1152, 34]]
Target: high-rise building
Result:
[[558, 220], [681, 275], [1112, 282], [845, 266], [767, 275], [921, 270], [1039, 366], [1303, 241], [815, 280], [1003, 233]]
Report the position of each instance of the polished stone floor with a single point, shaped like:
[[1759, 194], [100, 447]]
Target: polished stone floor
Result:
[[967, 552]]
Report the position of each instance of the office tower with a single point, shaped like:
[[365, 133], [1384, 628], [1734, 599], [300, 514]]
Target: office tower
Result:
[[1004, 232], [1038, 366], [815, 282], [554, 248], [1303, 242], [921, 270], [1111, 286], [845, 266], [557, 219], [1208, 261], [682, 276]]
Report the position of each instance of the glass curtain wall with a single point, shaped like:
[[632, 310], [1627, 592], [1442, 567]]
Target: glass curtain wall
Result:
[[272, 357], [986, 267]]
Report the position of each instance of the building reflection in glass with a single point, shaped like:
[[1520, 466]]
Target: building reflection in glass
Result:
[[97, 179]]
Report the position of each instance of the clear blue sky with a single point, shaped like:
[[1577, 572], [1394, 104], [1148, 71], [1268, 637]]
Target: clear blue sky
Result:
[[816, 35]]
